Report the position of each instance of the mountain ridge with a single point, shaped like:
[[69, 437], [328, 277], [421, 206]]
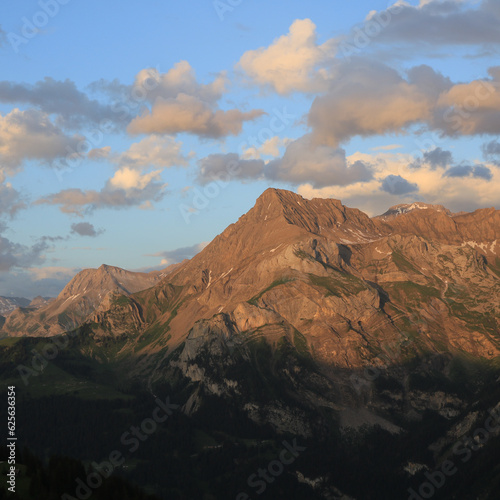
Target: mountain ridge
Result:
[[288, 238], [84, 293]]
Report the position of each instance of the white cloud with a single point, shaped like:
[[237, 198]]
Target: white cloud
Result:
[[189, 114], [127, 179], [180, 104], [367, 98], [180, 79], [458, 193], [31, 135], [302, 162], [269, 148], [72, 108], [127, 188], [153, 151], [293, 62]]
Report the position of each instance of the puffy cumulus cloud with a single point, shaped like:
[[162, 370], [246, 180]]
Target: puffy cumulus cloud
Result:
[[179, 103], [31, 135], [395, 184], [189, 114], [85, 229], [127, 179], [470, 108], [153, 151], [443, 22], [169, 257], [127, 188], [478, 171], [301, 162], [271, 147], [34, 281], [367, 98], [150, 84], [456, 193], [293, 62], [72, 107]]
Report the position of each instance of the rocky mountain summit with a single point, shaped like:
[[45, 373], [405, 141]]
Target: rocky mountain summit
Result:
[[405, 208]]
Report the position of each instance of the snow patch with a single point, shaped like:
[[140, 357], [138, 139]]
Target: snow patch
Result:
[[474, 244], [223, 275]]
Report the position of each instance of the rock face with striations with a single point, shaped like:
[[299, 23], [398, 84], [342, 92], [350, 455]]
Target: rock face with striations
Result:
[[336, 282], [315, 273]]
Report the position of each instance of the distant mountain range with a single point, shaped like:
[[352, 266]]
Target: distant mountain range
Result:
[[8, 304], [88, 291]]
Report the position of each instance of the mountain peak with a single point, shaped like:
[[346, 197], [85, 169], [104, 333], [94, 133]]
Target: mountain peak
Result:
[[272, 200], [406, 208], [107, 268], [278, 195], [298, 211]]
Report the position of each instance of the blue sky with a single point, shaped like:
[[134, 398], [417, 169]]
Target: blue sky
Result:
[[131, 135]]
